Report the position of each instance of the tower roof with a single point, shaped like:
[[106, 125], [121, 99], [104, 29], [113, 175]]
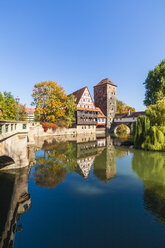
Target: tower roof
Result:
[[106, 81]]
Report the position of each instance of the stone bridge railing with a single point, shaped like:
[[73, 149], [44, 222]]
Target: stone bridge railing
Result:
[[10, 128]]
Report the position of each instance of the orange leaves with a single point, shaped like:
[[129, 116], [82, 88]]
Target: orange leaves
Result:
[[50, 100]]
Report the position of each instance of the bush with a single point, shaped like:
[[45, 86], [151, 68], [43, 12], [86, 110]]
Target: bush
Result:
[[61, 123], [155, 140], [47, 125]]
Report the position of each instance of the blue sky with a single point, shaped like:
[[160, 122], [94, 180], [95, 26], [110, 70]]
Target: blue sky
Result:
[[79, 42]]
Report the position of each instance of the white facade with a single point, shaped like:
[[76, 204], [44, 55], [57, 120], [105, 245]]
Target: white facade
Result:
[[86, 100]]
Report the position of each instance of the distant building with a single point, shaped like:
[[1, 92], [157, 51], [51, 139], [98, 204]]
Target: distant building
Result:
[[29, 116], [105, 95]]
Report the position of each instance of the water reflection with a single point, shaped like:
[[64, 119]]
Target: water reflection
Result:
[[150, 167], [62, 157], [14, 201], [90, 164]]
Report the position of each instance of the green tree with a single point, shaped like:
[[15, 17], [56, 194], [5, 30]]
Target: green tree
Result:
[[140, 130], [8, 106], [149, 130], [156, 113], [70, 112], [50, 101], [155, 84]]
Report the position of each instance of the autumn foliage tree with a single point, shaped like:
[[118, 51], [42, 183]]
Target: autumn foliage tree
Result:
[[123, 107], [50, 101]]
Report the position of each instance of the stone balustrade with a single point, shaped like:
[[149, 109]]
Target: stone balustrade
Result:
[[10, 128]]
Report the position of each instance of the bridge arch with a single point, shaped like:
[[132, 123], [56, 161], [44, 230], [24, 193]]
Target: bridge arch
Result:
[[6, 161], [122, 125]]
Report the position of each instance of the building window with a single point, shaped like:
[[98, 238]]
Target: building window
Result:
[[11, 127], [24, 126], [0, 129], [15, 126]]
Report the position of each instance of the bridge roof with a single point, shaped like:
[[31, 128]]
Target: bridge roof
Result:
[[131, 115]]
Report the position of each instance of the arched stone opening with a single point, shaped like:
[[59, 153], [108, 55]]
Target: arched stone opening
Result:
[[5, 161], [122, 130]]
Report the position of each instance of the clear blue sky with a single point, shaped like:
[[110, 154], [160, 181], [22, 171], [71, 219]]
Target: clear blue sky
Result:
[[79, 42]]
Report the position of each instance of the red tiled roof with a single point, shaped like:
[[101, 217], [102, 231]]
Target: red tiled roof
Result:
[[78, 94], [88, 109], [100, 124], [100, 113], [105, 81]]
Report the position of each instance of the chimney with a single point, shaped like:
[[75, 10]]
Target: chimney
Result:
[[129, 112]]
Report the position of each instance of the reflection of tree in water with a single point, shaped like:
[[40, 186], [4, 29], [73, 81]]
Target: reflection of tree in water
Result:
[[63, 157], [150, 167], [53, 167]]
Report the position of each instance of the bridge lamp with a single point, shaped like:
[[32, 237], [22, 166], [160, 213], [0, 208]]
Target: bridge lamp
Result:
[[17, 101]]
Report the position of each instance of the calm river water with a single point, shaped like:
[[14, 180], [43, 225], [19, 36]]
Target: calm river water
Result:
[[85, 194]]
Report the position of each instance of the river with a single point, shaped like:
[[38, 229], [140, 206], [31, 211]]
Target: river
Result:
[[85, 194]]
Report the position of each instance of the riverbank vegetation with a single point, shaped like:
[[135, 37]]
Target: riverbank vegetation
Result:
[[149, 130]]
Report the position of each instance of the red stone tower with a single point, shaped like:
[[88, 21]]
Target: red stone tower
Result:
[[105, 95]]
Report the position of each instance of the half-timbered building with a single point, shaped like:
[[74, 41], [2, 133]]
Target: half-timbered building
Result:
[[86, 112]]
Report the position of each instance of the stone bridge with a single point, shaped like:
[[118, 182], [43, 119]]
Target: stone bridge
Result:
[[126, 119], [117, 124], [15, 138]]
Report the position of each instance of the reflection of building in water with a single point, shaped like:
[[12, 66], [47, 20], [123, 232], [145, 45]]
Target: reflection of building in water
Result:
[[86, 154], [86, 149], [85, 138], [101, 142], [14, 201], [85, 165], [105, 163]]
